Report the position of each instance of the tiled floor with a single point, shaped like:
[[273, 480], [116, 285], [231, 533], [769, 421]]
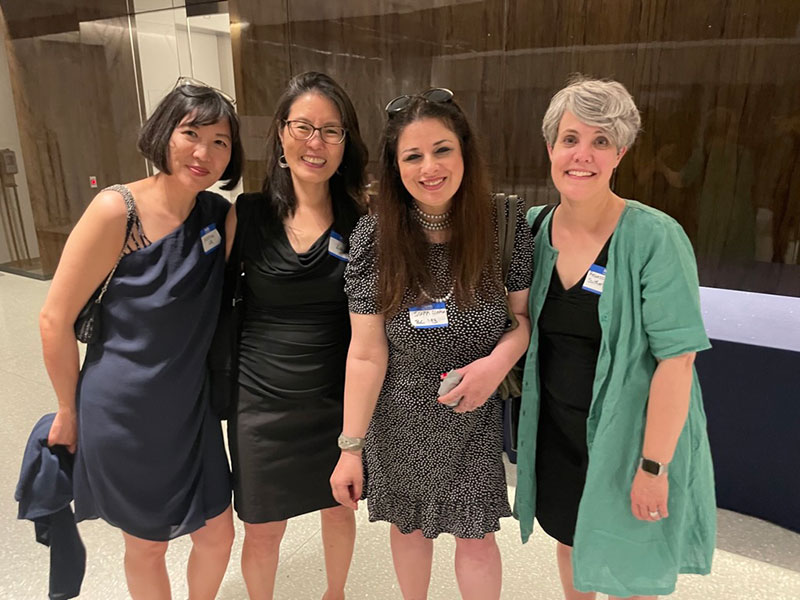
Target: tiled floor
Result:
[[754, 559]]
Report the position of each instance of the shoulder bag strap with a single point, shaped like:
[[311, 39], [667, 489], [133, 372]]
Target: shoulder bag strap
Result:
[[506, 207], [537, 222]]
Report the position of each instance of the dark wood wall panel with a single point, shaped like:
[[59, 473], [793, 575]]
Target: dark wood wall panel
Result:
[[716, 81], [75, 96]]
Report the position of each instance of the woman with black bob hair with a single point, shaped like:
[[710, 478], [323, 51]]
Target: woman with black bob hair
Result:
[[426, 297], [291, 243], [150, 456]]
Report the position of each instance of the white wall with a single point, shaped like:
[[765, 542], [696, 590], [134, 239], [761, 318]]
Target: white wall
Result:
[[9, 138]]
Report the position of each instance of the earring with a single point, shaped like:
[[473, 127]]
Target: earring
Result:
[[282, 162]]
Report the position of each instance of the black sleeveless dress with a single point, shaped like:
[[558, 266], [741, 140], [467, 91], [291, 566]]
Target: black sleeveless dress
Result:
[[569, 342], [151, 458], [294, 340]]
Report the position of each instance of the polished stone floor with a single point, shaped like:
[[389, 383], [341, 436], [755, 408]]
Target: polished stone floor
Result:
[[754, 559]]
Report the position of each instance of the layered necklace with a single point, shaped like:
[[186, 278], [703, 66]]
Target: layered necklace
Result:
[[433, 222]]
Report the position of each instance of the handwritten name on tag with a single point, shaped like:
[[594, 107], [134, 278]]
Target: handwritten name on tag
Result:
[[428, 316], [595, 279]]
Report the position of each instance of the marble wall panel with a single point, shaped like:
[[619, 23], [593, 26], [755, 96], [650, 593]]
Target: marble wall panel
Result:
[[42, 17], [78, 117], [716, 83], [718, 90], [376, 50]]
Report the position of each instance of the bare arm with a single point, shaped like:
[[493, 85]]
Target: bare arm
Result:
[[667, 408], [230, 230], [89, 255], [367, 360], [482, 377]]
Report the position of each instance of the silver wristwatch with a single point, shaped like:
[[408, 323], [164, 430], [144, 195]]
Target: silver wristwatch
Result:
[[352, 444]]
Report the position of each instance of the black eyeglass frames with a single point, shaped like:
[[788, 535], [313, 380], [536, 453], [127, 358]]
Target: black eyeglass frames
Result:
[[436, 95], [303, 130]]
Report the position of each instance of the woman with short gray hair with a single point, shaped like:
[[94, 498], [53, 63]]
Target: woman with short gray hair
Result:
[[614, 460]]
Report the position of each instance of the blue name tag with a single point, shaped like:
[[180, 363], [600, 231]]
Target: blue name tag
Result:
[[337, 247], [210, 238], [595, 279], [428, 316]]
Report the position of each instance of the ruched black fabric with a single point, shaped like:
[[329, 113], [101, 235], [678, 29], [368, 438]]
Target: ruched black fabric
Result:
[[293, 349], [150, 457]]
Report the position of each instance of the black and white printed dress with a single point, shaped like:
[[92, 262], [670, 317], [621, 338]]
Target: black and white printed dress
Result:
[[427, 467]]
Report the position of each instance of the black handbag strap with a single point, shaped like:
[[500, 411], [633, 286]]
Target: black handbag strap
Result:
[[244, 217], [506, 207], [537, 222]]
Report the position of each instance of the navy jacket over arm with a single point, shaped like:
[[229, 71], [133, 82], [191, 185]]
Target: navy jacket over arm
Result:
[[44, 493]]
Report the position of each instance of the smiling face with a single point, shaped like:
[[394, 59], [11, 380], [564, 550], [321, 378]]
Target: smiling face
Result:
[[312, 160], [582, 160], [199, 154], [430, 163]]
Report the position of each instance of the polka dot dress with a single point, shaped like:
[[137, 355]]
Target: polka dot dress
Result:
[[427, 467]]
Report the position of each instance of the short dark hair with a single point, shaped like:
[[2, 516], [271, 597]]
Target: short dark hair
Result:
[[207, 106], [349, 181], [402, 244]]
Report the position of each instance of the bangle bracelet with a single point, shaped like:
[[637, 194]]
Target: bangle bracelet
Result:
[[353, 444]]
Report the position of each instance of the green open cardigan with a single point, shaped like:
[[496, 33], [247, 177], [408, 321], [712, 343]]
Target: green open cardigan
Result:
[[649, 310]]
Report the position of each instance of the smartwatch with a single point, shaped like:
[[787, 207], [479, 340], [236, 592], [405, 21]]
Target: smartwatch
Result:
[[651, 466]]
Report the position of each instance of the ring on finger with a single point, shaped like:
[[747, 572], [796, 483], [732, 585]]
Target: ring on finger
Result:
[[654, 514]]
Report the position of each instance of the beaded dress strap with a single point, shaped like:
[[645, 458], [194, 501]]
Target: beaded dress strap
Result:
[[135, 239]]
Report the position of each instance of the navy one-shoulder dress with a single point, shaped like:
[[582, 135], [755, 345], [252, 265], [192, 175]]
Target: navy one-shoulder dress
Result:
[[150, 457]]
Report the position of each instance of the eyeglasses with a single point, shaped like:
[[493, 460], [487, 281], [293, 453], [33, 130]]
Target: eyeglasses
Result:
[[435, 95], [184, 81], [330, 134]]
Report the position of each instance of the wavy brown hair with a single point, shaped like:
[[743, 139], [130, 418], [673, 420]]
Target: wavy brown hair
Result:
[[402, 244]]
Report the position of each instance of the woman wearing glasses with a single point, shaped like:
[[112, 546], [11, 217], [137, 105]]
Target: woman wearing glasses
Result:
[[150, 456], [426, 297], [293, 243]]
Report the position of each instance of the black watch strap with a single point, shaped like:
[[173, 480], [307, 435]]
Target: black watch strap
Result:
[[651, 466]]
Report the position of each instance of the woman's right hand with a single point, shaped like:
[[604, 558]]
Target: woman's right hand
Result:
[[64, 431], [347, 479]]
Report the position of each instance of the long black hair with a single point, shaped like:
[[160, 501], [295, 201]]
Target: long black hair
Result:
[[348, 182]]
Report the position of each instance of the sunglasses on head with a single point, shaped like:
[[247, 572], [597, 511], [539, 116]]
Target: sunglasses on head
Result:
[[184, 81], [435, 95]]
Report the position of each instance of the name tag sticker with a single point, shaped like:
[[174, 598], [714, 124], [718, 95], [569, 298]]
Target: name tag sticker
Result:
[[595, 279], [428, 316], [210, 238], [337, 247]]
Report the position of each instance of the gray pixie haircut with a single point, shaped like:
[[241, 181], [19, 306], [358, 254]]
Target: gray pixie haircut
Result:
[[602, 103]]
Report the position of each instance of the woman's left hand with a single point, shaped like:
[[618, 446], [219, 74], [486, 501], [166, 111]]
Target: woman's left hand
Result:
[[479, 381], [649, 495]]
